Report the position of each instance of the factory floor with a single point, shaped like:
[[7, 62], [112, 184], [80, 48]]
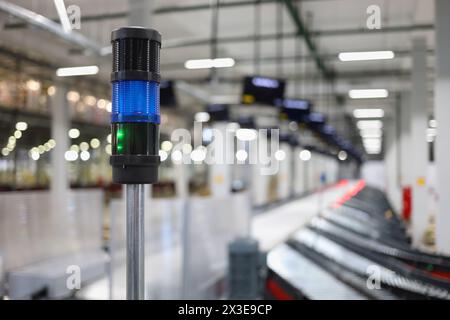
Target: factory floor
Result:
[[164, 263]]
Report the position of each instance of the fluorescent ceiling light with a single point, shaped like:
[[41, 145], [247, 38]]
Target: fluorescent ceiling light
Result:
[[209, 63], [199, 64], [223, 63], [368, 93], [77, 71], [372, 147], [373, 151], [62, 13], [366, 55], [371, 132], [368, 113], [372, 142], [369, 124], [370, 135], [431, 132]]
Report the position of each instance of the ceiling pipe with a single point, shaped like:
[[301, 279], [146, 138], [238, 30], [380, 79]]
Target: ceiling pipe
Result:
[[50, 26], [179, 43], [303, 32], [201, 41]]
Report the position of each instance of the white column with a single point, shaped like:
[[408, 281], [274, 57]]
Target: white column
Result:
[[285, 172], [442, 115], [391, 162], [181, 180], [405, 140], [419, 160], [259, 181], [311, 170], [140, 12], [59, 186], [299, 173], [220, 171]]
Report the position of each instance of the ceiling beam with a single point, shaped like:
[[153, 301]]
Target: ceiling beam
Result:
[[181, 43], [303, 32], [50, 69], [347, 75], [43, 23], [207, 5], [403, 53], [160, 11], [84, 18]]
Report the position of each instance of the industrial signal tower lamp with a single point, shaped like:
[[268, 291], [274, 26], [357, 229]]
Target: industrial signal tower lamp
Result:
[[135, 119]]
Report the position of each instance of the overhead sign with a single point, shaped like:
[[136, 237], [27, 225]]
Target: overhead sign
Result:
[[262, 90]]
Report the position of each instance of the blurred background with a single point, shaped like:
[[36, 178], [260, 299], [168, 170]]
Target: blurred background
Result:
[[356, 208]]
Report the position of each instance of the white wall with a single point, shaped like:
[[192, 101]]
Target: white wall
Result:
[[374, 173]]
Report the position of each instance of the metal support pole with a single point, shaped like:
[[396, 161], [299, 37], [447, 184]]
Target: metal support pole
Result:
[[135, 241], [214, 33]]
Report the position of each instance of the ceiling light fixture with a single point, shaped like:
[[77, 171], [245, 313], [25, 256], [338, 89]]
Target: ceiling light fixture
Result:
[[366, 55], [209, 63], [368, 93], [369, 124], [368, 113], [77, 71]]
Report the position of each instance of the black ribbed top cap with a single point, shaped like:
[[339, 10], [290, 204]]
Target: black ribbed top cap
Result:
[[136, 33], [136, 54]]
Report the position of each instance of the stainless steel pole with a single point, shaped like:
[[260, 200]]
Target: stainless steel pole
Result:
[[135, 241]]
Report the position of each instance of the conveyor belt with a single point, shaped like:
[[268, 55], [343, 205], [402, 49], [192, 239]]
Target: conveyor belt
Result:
[[347, 243], [410, 287], [307, 277], [412, 258], [350, 278], [350, 220], [375, 201], [386, 218]]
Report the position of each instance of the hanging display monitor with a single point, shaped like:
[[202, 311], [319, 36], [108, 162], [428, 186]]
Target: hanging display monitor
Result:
[[316, 118], [294, 109], [167, 94], [246, 122], [328, 130], [218, 112], [262, 90]]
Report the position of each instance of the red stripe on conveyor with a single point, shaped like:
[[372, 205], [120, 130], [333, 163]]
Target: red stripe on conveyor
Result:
[[350, 194], [277, 291]]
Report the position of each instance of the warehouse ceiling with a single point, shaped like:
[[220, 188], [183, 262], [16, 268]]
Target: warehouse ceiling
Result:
[[334, 26]]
